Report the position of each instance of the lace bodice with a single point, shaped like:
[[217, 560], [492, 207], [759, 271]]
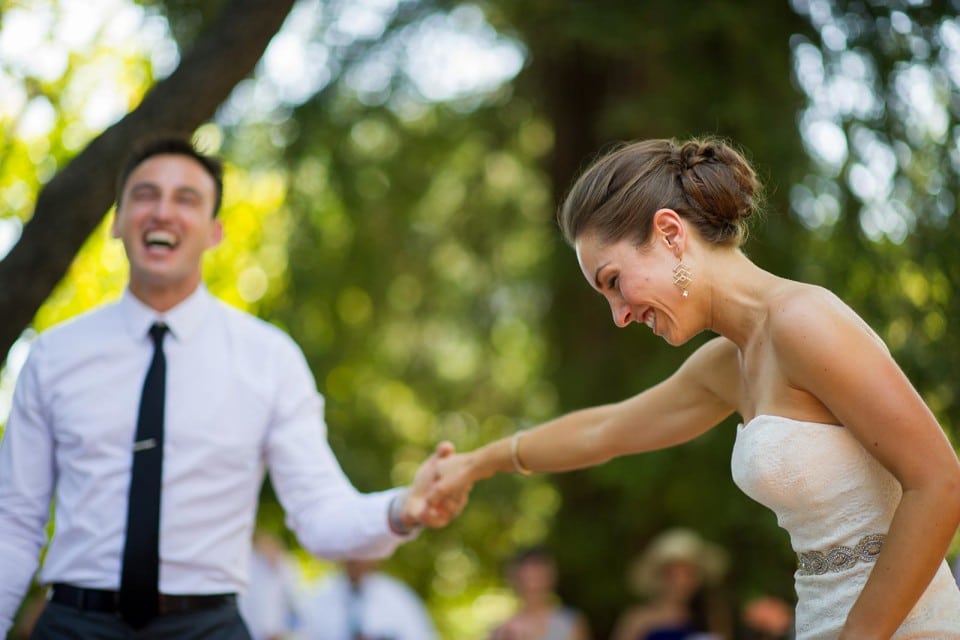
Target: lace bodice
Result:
[[831, 495]]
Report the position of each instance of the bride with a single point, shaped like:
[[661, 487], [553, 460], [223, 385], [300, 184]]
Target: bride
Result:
[[834, 438]]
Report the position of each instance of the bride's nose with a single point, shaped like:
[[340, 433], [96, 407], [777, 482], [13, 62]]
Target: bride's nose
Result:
[[622, 313]]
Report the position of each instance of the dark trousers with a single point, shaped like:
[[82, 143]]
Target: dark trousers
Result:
[[61, 622]]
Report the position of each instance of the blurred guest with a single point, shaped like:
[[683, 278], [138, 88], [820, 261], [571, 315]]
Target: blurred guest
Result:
[[677, 575], [268, 606], [541, 615], [766, 618], [359, 602]]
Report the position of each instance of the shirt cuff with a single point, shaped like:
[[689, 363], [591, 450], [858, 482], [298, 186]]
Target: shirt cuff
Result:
[[394, 519]]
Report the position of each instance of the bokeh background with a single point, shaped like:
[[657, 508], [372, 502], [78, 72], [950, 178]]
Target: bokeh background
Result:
[[393, 171]]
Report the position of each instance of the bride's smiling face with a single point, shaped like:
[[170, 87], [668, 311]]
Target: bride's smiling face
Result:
[[637, 282]]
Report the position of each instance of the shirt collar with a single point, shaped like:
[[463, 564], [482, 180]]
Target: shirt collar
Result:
[[182, 320]]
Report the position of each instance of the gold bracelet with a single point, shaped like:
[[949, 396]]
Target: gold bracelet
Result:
[[515, 455]]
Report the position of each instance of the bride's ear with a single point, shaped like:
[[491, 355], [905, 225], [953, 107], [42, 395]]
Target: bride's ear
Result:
[[670, 229]]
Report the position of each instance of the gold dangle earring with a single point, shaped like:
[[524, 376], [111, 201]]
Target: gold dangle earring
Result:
[[682, 277]]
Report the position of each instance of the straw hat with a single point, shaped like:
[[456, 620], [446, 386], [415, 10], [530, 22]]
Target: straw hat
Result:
[[676, 545]]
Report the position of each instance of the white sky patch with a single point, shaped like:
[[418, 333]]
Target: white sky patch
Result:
[[154, 32], [23, 34], [446, 57], [852, 86], [10, 229], [926, 114], [878, 157], [458, 54], [949, 34], [825, 140], [365, 18], [293, 63], [372, 76], [26, 45], [833, 37], [13, 97], [808, 67], [16, 358], [80, 21], [37, 119], [864, 183], [38, 42], [104, 107]]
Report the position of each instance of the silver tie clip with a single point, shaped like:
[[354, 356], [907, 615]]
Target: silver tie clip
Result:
[[144, 445]]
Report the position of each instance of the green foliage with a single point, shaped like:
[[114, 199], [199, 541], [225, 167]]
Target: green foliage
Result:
[[882, 210], [415, 289]]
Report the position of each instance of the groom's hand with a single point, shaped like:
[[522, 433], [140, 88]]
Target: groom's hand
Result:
[[438, 512]]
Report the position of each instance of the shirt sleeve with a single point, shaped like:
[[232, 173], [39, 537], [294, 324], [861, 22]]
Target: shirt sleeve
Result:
[[26, 485], [330, 518]]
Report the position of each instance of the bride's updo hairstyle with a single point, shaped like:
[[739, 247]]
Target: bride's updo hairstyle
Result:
[[705, 180]]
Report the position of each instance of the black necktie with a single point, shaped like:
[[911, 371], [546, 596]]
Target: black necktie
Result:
[[141, 554]]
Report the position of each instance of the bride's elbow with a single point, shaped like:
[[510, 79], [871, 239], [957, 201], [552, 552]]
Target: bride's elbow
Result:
[[951, 489], [940, 484]]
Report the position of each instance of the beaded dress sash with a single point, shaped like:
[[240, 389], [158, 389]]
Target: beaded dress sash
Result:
[[815, 563]]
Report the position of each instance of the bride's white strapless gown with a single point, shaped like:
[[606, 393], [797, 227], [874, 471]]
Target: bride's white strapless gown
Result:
[[836, 502]]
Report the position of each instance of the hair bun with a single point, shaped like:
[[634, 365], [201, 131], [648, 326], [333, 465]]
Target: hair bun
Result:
[[695, 152], [718, 183]]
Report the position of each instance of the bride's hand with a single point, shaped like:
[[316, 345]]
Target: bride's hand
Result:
[[417, 508], [452, 481]]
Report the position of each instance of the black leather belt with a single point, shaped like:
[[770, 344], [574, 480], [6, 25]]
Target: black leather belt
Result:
[[106, 601]]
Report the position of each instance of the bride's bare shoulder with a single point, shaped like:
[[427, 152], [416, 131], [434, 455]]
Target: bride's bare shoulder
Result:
[[799, 309]]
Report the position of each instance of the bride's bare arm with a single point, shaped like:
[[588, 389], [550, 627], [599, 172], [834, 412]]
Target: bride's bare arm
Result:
[[695, 398]]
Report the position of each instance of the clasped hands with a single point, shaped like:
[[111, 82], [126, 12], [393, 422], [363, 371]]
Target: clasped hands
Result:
[[439, 490]]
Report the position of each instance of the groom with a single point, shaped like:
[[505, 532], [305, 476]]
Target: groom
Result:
[[150, 422]]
